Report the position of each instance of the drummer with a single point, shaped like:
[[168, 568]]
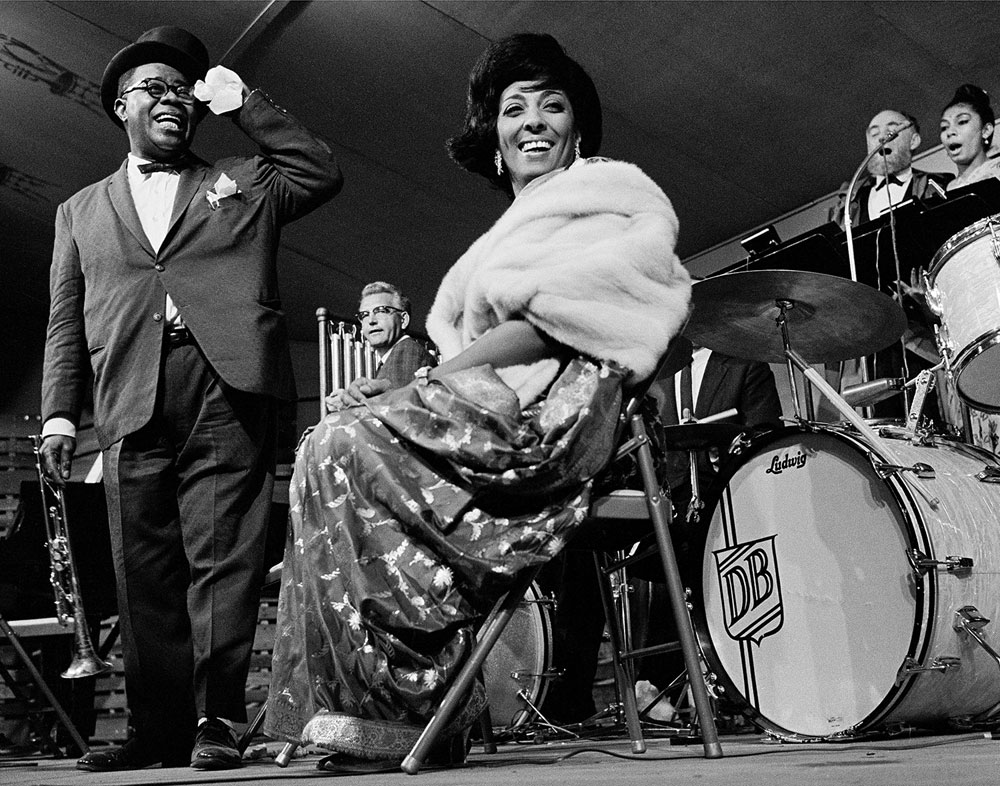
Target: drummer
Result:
[[716, 383], [891, 177]]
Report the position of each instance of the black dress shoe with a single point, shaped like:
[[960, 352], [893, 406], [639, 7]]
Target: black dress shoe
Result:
[[215, 747], [125, 757]]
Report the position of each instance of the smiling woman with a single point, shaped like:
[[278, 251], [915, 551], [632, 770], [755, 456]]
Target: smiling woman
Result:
[[412, 512]]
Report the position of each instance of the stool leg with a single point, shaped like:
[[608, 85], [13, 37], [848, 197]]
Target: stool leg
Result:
[[252, 729], [285, 755], [661, 525], [8, 631], [624, 680]]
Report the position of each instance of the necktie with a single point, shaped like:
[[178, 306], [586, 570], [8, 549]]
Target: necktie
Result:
[[891, 179], [160, 166], [687, 394]]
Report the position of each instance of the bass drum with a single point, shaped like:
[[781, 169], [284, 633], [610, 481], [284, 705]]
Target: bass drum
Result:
[[822, 612], [519, 666]]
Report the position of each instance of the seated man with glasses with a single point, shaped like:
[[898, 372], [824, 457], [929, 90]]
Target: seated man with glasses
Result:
[[384, 315]]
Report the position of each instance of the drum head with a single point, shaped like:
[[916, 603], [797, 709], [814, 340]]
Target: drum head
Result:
[[519, 661], [808, 607]]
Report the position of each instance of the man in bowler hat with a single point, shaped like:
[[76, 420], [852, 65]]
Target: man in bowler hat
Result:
[[164, 288]]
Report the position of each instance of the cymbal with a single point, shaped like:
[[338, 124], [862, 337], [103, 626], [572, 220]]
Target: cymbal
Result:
[[829, 318], [700, 436]]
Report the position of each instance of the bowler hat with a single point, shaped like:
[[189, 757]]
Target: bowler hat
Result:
[[173, 46]]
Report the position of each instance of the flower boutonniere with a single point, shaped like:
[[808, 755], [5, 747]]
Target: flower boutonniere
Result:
[[224, 187]]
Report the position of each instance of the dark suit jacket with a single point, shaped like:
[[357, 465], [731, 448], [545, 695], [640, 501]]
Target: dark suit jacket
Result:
[[108, 286], [407, 355], [919, 187], [747, 385]]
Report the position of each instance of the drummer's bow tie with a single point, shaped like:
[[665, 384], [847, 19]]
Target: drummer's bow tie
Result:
[[160, 166], [891, 179]]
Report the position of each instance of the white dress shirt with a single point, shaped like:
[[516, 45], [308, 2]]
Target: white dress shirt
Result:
[[699, 359], [879, 198]]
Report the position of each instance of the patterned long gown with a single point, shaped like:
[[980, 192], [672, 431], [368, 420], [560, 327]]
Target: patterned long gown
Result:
[[409, 516]]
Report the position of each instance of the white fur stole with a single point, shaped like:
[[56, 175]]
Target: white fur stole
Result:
[[587, 256]]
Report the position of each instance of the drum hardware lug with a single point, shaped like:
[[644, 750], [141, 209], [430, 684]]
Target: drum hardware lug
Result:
[[944, 343], [740, 443], [921, 563], [989, 475], [970, 621], [921, 470], [942, 663], [932, 295], [994, 240], [550, 674]]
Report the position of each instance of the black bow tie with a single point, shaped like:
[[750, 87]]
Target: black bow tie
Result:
[[160, 166], [891, 179]]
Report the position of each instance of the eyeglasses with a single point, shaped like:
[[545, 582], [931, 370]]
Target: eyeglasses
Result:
[[361, 316], [157, 88]]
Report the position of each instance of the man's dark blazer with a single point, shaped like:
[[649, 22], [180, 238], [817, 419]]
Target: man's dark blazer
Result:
[[728, 382], [407, 355], [108, 286], [919, 187]]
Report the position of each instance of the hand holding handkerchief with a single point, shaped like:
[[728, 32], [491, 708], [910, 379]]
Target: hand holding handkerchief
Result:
[[221, 89]]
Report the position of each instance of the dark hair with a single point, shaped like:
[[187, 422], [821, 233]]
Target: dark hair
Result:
[[524, 57], [912, 120], [978, 100]]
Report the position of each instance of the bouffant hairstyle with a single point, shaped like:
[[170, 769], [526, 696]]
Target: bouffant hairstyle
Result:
[[524, 57], [978, 100]]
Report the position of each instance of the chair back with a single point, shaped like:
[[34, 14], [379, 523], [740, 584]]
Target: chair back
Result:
[[676, 356], [344, 355]]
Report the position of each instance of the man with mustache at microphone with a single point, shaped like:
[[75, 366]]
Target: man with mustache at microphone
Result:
[[891, 178]]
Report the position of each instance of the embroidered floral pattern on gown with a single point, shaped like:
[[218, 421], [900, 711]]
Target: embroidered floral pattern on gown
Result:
[[409, 516]]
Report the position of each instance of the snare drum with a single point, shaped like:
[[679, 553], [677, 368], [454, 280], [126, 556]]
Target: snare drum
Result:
[[518, 668], [964, 289], [830, 591]]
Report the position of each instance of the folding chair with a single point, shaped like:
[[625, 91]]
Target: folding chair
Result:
[[650, 506]]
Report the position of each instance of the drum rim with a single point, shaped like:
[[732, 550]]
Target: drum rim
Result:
[[925, 586], [958, 240], [970, 352]]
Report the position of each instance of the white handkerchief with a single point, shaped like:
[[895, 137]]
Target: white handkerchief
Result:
[[225, 186], [222, 90]]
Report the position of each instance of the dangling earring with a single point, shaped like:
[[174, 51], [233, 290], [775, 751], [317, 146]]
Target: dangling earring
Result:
[[498, 160], [577, 148]]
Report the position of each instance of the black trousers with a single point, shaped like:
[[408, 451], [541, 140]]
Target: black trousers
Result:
[[189, 496]]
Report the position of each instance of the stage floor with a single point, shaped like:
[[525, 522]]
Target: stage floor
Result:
[[749, 760]]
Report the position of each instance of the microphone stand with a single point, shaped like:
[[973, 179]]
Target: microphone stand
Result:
[[849, 224]]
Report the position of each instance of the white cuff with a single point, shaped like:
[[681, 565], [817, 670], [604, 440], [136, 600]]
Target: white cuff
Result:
[[60, 426]]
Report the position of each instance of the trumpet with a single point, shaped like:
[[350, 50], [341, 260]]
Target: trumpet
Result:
[[64, 579]]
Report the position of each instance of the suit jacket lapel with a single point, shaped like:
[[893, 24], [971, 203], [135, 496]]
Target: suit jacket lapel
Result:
[[121, 201], [669, 411], [189, 185], [711, 384]]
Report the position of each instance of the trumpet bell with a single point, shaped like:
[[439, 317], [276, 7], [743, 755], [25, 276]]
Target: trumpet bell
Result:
[[87, 665]]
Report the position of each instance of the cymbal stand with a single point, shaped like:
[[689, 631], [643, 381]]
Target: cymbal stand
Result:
[[907, 474], [784, 306]]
